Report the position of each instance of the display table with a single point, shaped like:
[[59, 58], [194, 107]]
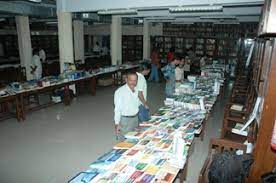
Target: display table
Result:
[[159, 149]]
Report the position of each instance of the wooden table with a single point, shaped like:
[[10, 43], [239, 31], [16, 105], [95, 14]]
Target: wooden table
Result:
[[5, 112]]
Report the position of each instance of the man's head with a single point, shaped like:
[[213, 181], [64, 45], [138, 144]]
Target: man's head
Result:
[[35, 51], [182, 62], [176, 60], [145, 69], [131, 80]]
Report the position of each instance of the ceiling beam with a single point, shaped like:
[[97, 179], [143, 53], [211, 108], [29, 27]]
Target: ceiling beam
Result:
[[96, 5], [29, 9]]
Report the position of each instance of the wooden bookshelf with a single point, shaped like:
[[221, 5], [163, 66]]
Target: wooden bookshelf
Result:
[[218, 41], [132, 48], [47, 42]]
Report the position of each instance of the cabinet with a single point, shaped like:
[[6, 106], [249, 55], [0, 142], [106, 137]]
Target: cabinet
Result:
[[267, 22]]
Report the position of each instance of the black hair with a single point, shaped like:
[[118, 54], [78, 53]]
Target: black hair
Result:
[[132, 73], [177, 57], [145, 66], [35, 51]]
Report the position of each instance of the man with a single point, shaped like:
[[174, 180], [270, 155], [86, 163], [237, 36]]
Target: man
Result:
[[97, 48], [143, 114], [169, 75], [126, 103], [155, 64], [42, 55], [36, 68]]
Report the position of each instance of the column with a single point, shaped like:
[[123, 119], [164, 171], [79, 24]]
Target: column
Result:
[[116, 40], [78, 40], [65, 39], [24, 44], [146, 40]]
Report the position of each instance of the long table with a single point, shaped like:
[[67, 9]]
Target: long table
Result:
[[148, 154], [18, 98]]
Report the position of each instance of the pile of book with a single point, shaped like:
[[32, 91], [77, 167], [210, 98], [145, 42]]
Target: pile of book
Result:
[[158, 148], [147, 154]]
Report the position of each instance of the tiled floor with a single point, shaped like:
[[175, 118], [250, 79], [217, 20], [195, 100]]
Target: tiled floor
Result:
[[55, 143]]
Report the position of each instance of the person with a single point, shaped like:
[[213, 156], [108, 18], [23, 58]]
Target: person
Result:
[[97, 48], [36, 68], [170, 55], [179, 71], [187, 67], [104, 51], [203, 61], [143, 114], [126, 102], [169, 75], [155, 64], [42, 55]]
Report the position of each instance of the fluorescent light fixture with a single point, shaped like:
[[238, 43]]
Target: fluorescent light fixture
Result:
[[51, 23], [160, 18], [227, 22], [218, 17], [182, 23], [191, 9], [118, 12], [35, 1]]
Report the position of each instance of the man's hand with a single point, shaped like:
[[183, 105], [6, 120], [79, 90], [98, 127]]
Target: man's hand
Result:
[[146, 105]]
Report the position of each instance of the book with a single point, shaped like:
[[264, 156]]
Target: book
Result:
[[237, 107], [134, 135], [86, 177], [126, 144]]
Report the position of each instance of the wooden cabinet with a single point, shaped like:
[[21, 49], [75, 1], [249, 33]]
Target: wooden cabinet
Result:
[[132, 48], [217, 41], [267, 24], [264, 156]]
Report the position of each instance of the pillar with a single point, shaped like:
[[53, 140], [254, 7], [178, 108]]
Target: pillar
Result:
[[24, 43], [78, 40], [146, 40], [116, 40], [65, 38]]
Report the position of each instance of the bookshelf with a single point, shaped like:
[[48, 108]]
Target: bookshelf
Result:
[[218, 41], [132, 48], [47, 42]]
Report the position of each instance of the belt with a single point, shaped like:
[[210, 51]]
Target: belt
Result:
[[130, 116]]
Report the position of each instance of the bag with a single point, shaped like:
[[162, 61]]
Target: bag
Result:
[[227, 167]]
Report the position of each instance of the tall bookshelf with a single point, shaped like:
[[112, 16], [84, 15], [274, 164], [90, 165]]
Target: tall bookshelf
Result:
[[218, 41], [132, 48]]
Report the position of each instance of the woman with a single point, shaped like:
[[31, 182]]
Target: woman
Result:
[[155, 64]]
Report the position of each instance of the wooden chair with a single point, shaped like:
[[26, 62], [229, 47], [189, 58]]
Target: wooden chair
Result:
[[217, 146]]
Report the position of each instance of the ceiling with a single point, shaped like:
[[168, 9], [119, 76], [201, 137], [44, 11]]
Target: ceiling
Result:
[[230, 11]]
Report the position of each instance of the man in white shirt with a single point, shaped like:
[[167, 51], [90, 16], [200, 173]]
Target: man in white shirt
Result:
[[36, 68], [143, 114], [126, 103], [97, 48], [42, 55]]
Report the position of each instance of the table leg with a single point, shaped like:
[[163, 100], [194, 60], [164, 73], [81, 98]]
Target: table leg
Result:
[[20, 109], [66, 99], [93, 83]]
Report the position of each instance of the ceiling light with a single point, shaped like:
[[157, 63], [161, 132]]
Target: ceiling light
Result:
[[118, 12], [35, 1], [184, 9], [182, 23], [218, 17]]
